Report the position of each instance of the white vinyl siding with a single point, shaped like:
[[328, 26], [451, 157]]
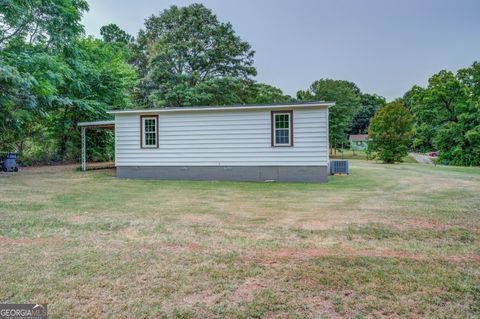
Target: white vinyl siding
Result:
[[223, 138]]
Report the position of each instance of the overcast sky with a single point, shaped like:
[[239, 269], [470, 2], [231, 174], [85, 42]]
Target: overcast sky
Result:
[[383, 46]]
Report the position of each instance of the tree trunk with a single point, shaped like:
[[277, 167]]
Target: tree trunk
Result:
[[63, 137]]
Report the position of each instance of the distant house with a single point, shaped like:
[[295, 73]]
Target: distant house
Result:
[[358, 142], [281, 142]]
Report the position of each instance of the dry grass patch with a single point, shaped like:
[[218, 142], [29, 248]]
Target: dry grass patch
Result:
[[30, 241], [428, 224]]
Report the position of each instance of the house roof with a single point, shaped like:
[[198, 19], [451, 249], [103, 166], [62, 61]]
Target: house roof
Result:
[[358, 137], [228, 107]]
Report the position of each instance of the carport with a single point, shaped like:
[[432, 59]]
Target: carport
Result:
[[85, 126]]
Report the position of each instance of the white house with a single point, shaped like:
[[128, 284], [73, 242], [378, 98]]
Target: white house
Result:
[[281, 142]]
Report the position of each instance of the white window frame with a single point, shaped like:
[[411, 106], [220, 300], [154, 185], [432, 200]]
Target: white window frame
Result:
[[144, 133], [289, 129]]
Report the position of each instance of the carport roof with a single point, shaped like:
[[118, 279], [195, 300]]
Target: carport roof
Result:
[[97, 124]]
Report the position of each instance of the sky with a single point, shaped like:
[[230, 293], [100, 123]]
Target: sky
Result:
[[383, 46]]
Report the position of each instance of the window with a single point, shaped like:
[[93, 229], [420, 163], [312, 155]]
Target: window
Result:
[[149, 131], [282, 128]]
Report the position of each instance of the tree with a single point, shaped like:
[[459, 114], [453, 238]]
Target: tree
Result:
[[458, 141], [111, 33], [471, 78], [47, 22], [182, 50], [15, 97], [219, 91], [369, 104], [32, 33], [48, 93], [434, 106], [51, 77], [261, 93], [390, 133], [447, 115], [97, 78], [347, 97]]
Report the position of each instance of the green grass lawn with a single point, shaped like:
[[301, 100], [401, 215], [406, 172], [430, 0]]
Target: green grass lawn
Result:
[[361, 155], [389, 241]]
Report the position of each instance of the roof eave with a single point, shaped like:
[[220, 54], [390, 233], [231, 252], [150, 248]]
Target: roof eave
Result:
[[220, 108]]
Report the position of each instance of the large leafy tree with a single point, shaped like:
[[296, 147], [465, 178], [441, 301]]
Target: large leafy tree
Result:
[[447, 115], [51, 77], [230, 91], [44, 72], [49, 22], [32, 33], [183, 50], [471, 78], [390, 132], [347, 97], [80, 82], [442, 101], [369, 104], [111, 33], [16, 99], [97, 78], [261, 93], [459, 141]]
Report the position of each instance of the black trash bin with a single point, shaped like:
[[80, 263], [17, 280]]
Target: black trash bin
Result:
[[9, 162]]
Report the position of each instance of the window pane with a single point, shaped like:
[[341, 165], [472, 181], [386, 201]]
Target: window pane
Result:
[[150, 138], [282, 120], [282, 136], [150, 125]]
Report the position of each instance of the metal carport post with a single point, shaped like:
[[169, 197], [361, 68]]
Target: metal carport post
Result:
[[109, 125]]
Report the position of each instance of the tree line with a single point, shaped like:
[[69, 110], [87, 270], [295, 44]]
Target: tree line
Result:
[[444, 117], [53, 76]]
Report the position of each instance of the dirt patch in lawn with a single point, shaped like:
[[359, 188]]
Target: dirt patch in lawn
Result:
[[31, 241], [321, 306], [307, 253], [427, 224], [302, 253], [465, 258], [169, 246], [205, 297], [340, 223], [103, 166], [246, 290], [79, 219], [51, 168], [131, 234], [201, 219], [326, 218]]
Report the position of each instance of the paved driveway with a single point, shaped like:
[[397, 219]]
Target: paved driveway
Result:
[[421, 158]]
